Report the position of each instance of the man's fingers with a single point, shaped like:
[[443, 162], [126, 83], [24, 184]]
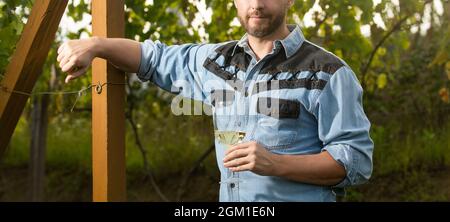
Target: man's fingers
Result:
[[61, 48], [237, 147], [234, 155], [69, 66], [246, 167], [60, 57], [68, 78], [61, 53], [64, 61], [237, 162], [75, 75]]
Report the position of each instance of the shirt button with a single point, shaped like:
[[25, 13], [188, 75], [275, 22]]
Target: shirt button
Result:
[[232, 185]]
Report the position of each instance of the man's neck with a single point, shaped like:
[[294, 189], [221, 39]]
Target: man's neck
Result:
[[263, 46]]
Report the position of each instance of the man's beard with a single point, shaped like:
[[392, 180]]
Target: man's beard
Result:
[[272, 23]]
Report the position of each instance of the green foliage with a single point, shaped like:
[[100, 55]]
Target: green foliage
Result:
[[12, 16], [405, 76]]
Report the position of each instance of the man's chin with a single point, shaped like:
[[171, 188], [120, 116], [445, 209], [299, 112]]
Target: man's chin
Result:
[[258, 32]]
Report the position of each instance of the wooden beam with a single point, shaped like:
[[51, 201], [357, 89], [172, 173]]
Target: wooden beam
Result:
[[108, 108], [27, 63]]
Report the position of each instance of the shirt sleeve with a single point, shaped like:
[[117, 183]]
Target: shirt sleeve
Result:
[[343, 126], [177, 69]]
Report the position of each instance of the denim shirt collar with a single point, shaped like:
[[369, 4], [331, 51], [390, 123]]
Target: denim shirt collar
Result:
[[291, 43]]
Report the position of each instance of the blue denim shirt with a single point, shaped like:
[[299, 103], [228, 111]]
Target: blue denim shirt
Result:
[[299, 99]]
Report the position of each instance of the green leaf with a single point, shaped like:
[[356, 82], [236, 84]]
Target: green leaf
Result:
[[382, 81]]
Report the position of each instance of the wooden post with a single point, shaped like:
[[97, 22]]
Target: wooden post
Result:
[[108, 108], [27, 63], [38, 143]]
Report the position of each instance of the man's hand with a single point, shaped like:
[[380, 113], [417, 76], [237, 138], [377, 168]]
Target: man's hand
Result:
[[250, 156], [319, 169], [76, 56]]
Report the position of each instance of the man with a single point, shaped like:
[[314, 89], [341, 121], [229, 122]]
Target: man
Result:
[[300, 107]]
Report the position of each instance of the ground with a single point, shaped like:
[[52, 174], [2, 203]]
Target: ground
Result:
[[72, 184]]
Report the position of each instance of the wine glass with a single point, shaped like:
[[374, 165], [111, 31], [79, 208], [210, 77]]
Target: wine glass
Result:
[[228, 133]]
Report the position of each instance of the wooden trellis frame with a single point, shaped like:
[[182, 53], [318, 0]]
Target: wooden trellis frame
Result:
[[108, 108]]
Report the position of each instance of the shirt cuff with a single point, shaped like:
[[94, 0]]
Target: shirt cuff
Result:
[[146, 68], [344, 155]]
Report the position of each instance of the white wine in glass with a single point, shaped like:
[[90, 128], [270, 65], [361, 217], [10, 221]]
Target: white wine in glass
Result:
[[229, 138]]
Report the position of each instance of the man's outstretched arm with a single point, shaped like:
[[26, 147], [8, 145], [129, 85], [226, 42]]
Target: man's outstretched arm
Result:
[[76, 56]]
